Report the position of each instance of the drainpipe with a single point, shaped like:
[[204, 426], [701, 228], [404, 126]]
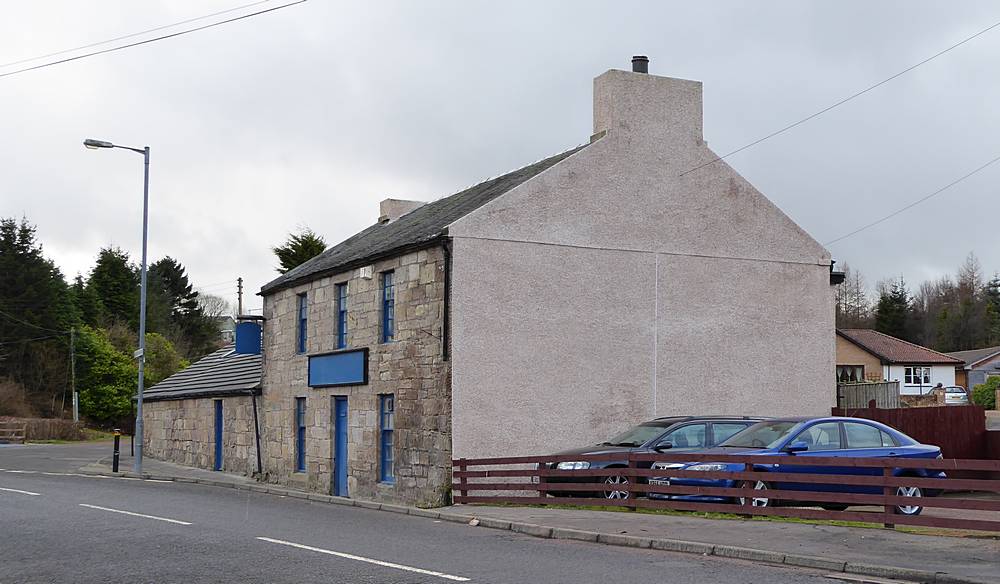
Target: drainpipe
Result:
[[256, 432]]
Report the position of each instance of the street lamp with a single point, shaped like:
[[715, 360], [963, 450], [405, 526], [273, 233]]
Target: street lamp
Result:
[[141, 353]]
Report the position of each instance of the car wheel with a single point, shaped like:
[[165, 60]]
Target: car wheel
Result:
[[760, 499], [914, 492], [618, 485], [834, 506]]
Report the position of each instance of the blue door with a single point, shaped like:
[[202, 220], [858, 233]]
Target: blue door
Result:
[[340, 446], [218, 434]]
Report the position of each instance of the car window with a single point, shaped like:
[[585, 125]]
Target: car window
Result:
[[762, 435], [825, 436], [862, 435], [691, 436], [721, 431], [887, 439], [636, 436]]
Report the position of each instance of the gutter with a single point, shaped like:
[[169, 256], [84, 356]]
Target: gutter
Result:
[[446, 245]]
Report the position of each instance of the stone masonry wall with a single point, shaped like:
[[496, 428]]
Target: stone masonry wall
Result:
[[412, 367], [183, 431]]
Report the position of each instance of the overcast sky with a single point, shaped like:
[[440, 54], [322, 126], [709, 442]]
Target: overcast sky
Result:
[[312, 114]]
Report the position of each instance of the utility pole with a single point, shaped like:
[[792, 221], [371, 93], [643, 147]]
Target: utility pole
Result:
[[239, 297], [72, 374]]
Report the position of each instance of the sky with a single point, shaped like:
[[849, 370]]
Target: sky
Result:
[[310, 115]]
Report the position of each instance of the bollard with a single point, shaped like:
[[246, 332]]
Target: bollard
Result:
[[114, 460]]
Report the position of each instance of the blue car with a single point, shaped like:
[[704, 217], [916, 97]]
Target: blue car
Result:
[[820, 437]]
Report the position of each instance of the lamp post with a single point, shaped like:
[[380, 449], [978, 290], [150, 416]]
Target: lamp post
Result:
[[141, 353]]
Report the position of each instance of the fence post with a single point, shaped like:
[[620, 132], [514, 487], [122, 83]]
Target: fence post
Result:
[[462, 480], [633, 480], [888, 491], [747, 486]]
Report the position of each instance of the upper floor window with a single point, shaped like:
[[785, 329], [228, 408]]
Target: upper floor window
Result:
[[341, 315], [388, 306], [917, 375], [303, 314]]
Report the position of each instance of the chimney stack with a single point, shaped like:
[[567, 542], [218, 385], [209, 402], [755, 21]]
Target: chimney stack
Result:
[[392, 209], [640, 64]]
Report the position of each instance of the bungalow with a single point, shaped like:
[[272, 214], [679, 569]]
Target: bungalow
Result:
[[550, 306], [868, 355], [977, 365]]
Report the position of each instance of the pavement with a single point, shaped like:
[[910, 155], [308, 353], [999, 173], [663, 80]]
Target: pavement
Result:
[[523, 544]]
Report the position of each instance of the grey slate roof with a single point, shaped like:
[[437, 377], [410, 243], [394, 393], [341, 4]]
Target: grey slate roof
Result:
[[975, 355], [413, 230], [220, 374]]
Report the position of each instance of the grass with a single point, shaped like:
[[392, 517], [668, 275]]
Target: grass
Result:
[[771, 518], [89, 435]]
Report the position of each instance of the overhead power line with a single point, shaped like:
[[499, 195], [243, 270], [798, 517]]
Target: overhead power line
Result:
[[30, 340], [147, 41], [915, 203], [842, 101], [133, 35], [24, 322]]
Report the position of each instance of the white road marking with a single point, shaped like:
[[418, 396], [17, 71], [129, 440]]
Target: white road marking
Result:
[[135, 514], [366, 560], [20, 491], [156, 481], [23, 471]]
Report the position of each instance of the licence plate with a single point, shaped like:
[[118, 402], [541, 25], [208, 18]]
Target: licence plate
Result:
[[660, 482]]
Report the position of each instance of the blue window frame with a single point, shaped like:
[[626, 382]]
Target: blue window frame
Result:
[[300, 434], [387, 424], [342, 315], [300, 344], [388, 306]]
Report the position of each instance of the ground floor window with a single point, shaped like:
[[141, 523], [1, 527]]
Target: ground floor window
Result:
[[300, 434], [850, 373], [917, 375], [387, 424]]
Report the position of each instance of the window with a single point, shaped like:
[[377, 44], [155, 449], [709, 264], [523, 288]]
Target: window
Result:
[[300, 344], [888, 440], [341, 315], [387, 423], [917, 375], [862, 435], [388, 306], [850, 373], [825, 436], [300, 434], [692, 436], [722, 431]]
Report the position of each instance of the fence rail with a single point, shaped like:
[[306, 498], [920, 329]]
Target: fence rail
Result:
[[531, 480], [13, 432]]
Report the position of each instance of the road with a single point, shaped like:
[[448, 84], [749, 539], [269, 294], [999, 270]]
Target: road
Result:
[[56, 526]]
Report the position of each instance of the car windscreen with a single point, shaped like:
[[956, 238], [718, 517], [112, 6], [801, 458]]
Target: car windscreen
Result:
[[636, 436], [762, 435]]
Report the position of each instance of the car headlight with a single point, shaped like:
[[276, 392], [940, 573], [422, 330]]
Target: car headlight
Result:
[[667, 465], [574, 465], [711, 467]]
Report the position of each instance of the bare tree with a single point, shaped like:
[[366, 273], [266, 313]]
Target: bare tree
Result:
[[215, 306]]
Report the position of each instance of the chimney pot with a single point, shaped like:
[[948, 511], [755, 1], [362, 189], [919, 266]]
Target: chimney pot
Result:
[[640, 64]]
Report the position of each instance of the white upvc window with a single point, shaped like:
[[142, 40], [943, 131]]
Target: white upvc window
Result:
[[916, 375]]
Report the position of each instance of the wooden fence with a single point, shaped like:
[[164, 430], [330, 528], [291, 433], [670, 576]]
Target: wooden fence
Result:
[[859, 395], [960, 431], [529, 480], [13, 431]]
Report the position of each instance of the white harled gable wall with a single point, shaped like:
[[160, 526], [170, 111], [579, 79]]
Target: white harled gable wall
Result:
[[611, 289]]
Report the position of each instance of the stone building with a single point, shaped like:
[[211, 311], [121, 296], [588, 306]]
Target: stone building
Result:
[[204, 415], [631, 277]]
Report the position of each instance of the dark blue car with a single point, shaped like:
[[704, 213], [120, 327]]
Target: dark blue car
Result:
[[820, 437]]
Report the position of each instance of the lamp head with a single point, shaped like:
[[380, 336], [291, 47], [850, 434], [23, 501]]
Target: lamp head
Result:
[[95, 144]]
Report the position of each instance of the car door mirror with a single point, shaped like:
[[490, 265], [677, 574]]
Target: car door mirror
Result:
[[663, 446], [797, 446]]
